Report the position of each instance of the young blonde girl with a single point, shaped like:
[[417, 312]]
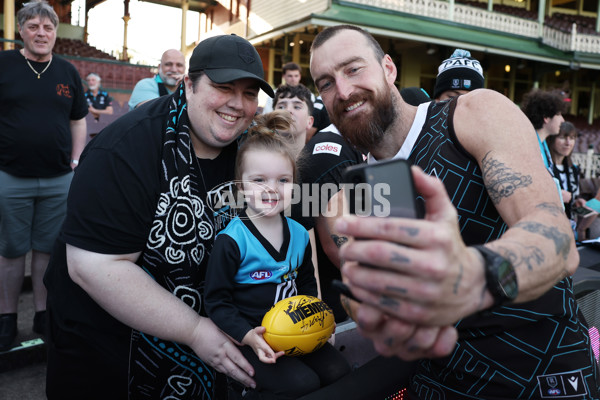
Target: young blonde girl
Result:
[[262, 257]]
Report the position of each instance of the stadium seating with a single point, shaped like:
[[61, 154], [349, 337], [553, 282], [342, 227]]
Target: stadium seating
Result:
[[73, 47], [564, 23], [560, 21]]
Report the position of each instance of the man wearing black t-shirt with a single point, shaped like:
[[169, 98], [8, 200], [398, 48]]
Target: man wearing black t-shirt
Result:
[[42, 134], [126, 280]]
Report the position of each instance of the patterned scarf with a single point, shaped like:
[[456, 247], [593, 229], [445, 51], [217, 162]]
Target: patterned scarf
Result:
[[181, 232]]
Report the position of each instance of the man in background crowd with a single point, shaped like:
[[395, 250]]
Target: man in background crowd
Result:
[[99, 102], [296, 100], [292, 75], [42, 134], [170, 73], [544, 109], [458, 75]]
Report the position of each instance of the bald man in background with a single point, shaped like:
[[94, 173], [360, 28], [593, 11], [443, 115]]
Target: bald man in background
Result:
[[170, 72]]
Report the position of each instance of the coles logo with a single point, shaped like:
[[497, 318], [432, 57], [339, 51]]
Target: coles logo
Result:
[[327, 147], [260, 275]]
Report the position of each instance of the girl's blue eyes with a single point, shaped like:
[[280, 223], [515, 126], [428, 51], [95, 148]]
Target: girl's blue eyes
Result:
[[282, 180]]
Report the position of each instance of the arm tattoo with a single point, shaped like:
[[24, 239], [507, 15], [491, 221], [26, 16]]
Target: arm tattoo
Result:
[[551, 208], [501, 181], [529, 256], [339, 240], [561, 240]]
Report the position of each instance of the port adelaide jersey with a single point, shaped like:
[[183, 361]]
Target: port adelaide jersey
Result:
[[530, 350]]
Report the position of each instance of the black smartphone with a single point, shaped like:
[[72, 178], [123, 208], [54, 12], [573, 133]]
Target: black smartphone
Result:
[[584, 212], [383, 189]]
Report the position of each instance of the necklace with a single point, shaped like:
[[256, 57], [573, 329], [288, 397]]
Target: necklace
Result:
[[33, 69]]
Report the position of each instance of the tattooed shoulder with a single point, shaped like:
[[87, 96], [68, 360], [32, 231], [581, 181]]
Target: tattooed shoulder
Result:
[[500, 180]]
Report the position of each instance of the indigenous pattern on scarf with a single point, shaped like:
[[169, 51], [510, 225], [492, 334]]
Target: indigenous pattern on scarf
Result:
[[175, 255]]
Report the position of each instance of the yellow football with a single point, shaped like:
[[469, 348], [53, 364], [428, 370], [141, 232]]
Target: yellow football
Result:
[[298, 325]]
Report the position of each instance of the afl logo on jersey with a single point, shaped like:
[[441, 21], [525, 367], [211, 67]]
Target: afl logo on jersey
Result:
[[260, 275]]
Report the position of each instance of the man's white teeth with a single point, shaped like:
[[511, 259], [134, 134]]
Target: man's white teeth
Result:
[[229, 118], [355, 105]]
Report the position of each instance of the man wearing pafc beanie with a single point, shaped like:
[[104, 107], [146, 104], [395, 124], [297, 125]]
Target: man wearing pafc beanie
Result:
[[458, 75]]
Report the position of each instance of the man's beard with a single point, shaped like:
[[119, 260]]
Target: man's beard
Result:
[[167, 80], [365, 131]]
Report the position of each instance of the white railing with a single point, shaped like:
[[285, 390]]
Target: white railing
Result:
[[558, 39], [494, 20], [586, 43], [589, 163], [475, 16]]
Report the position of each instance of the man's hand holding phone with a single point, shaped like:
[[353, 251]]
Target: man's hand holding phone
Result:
[[412, 275]]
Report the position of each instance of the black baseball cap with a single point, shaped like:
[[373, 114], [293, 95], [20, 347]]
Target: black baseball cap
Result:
[[226, 58]]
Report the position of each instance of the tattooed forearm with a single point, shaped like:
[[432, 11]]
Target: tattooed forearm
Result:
[[551, 208], [529, 256], [500, 180], [339, 240], [562, 241]]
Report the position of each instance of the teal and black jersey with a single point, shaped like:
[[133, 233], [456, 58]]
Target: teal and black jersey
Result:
[[438, 153], [539, 349], [246, 275]]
